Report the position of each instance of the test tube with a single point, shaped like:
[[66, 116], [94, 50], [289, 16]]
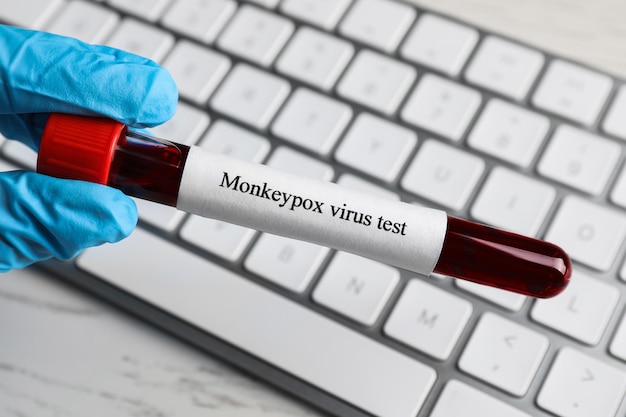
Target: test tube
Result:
[[416, 238]]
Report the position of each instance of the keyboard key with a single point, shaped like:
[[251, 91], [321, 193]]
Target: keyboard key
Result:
[[141, 39], [504, 67], [505, 299], [376, 146], [573, 92], [186, 127], [289, 263], [356, 287], [618, 344], [504, 354], [460, 400], [443, 174], [582, 311], [508, 132], [150, 10], [250, 95], [288, 160], [363, 23], [256, 35], [312, 120], [30, 14], [376, 81], [357, 183], [234, 141], [428, 319], [145, 266], [322, 13], [514, 202], [589, 233], [315, 58], [618, 194], [200, 19], [579, 159], [441, 106], [580, 386], [440, 44], [166, 218], [88, 22], [270, 4], [615, 122], [197, 70]]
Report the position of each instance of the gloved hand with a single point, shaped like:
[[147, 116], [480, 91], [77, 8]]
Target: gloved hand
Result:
[[43, 217]]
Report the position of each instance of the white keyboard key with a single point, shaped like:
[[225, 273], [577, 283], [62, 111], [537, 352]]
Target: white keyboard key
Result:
[[514, 202], [200, 19], [196, 70], [315, 58], [250, 95], [225, 240], [440, 44], [589, 233], [88, 22], [428, 319], [509, 132], [441, 106], [312, 120], [236, 142], [460, 400], [185, 127], [356, 287], [581, 386], [573, 92], [231, 307], [356, 183], [150, 10], [141, 39], [615, 122], [20, 153], [288, 160], [376, 146], [618, 194], [618, 344], [376, 81], [256, 35], [443, 174], [504, 67], [505, 299], [579, 159], [287, 262], [504, 354], [30, 14], [270, 4], [322, 13], [363, 23], [582, 311], [161, 216]]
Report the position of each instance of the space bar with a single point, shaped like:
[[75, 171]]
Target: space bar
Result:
[[326, 354]]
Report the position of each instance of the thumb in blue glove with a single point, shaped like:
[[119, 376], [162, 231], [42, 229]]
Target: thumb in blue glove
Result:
[[43, 217]]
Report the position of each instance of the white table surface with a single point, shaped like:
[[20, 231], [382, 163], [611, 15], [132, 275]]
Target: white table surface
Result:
[[63, 353]]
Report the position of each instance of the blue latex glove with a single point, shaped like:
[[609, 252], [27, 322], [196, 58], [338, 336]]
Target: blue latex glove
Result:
[[43, 217]]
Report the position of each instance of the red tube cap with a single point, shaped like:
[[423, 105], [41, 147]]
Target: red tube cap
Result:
[[78, 147]]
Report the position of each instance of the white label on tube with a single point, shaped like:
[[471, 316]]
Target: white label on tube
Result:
[[262, 198]]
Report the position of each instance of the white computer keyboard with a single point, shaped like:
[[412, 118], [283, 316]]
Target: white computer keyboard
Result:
[[408, 104]]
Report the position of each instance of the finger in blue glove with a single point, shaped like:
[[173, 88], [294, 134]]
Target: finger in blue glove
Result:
[[45, 217], [42, 73]]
